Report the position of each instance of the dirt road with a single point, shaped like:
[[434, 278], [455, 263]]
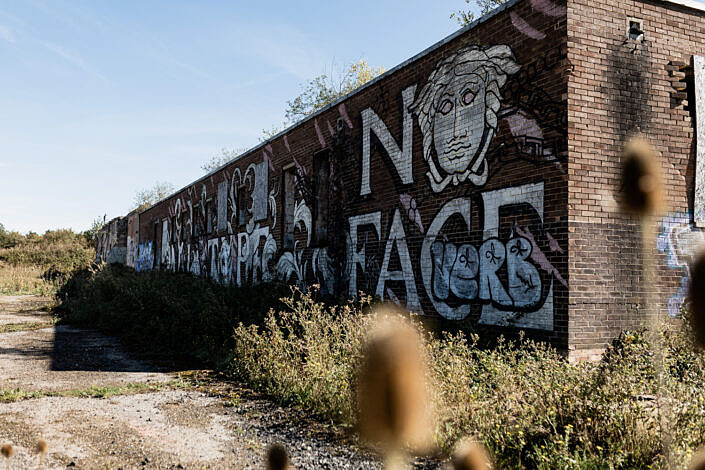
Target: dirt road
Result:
[[99, 408]]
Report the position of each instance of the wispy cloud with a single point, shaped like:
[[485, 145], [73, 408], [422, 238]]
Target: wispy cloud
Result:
[[75, 60], [7, 34], [283, 47]]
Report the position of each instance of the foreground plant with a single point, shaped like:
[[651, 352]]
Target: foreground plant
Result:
[[41, 449], [391, 395], [470, 455], [7, 451], [277, 457], [643, 196]]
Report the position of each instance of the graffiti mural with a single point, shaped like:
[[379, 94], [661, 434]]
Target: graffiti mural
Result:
[[396, 199], [457, 111], [680, 240], [145, 257]]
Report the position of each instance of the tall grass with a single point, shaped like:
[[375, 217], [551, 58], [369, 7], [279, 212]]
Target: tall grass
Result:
[[39, 264], [524, 401], [527, 404]]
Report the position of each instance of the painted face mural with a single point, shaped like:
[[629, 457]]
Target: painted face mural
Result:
[[457, 112]]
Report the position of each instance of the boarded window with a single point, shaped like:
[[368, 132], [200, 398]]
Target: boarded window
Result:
[[288, 206], [260, 192], [321, 168], [699, 209]]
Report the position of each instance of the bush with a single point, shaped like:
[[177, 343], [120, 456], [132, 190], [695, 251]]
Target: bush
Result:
[[37, 264], [167, 314], [529, 406]]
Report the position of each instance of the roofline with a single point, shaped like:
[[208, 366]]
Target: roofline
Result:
[[687, 3], [695, 5], [389, 72]]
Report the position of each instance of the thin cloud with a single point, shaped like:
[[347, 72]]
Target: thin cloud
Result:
[[286, 48], [7, 34], [75, 60]]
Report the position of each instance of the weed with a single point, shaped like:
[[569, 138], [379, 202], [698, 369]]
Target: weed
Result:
[[521, 400]]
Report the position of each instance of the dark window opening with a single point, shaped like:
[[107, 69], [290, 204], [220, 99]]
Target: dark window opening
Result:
[[209, 216], [321, 189], [288, 206], [155, 244], [636, 29], [241, 205]]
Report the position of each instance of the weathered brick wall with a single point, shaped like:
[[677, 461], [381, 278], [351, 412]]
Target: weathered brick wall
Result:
[[111, 241], [444, 185], [618, 87]]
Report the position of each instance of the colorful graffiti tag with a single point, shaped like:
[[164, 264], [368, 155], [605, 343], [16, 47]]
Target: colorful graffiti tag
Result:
[[680, 240], [480, 252]]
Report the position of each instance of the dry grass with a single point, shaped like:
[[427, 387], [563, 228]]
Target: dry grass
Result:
[[523, 401], [38, 264], [23, 279]]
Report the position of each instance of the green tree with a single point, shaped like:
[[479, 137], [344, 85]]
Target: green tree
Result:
[[327, 88], [318, 93], [90, 234], [146, 198], [465, 17], [222, 158]]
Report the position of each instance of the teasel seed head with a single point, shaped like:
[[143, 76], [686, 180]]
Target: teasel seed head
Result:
[[42, 446], [698, 461], [697, 300], [641, 178], [277, 457], [7, 451], [392, 395], [470, 455]]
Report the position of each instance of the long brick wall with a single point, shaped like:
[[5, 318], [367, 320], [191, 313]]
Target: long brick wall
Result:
[[477, 183]]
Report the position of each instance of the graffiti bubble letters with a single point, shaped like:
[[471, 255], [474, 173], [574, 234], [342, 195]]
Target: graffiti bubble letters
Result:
[[461, 274]]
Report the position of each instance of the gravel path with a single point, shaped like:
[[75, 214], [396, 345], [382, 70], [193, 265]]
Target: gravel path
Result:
[[148, 418]]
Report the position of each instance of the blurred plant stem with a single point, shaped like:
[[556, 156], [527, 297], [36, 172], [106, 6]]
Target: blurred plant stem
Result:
[[655, 331]]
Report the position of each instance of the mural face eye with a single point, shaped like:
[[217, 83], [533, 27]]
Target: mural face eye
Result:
[[446, 107], [468, 96]]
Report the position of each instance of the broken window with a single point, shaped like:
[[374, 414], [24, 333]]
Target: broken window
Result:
[[288, 207]]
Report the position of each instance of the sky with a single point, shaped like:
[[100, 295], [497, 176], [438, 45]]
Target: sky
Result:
[[100, 99]]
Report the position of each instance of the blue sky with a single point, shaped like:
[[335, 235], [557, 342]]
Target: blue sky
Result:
[[99, 99]]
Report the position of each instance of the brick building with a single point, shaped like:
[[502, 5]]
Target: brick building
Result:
[[475, 182]]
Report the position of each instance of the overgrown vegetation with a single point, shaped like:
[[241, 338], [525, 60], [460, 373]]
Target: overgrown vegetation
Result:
[[38, 264], [528, 405], [170, 315]]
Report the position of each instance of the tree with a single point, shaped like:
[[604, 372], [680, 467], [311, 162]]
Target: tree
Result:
[[318, 93], [224, 157], [91, 233], [8, 239], [465, 17], [325, 89], [148, 197]]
